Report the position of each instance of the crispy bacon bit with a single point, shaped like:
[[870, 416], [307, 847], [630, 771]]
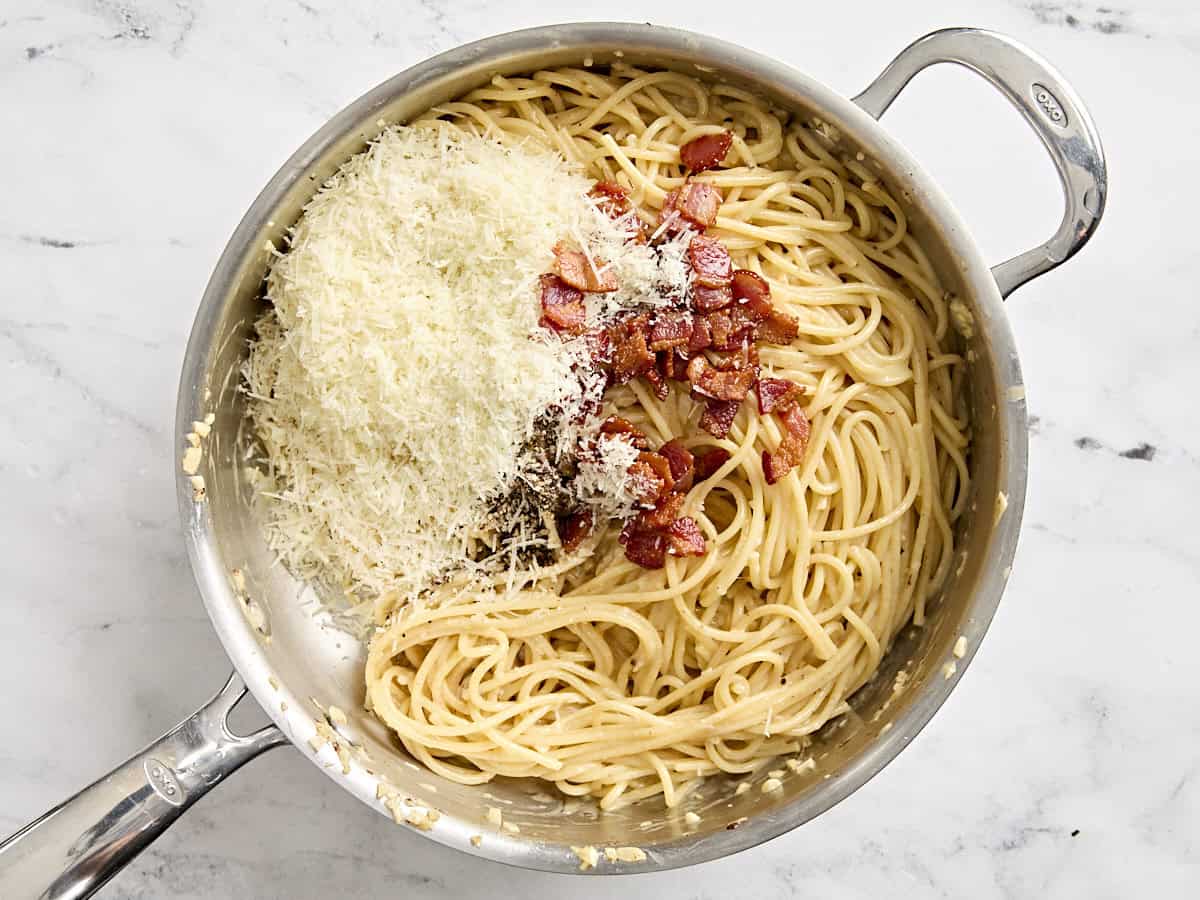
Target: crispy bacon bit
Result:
[[646, 485], [701, 336], [646, 548], [681, 461], [798, 429], [751, 291], [562, 306], [774, 467], [710, 261], [630, 355], [617, 427], [611, 199], [599, 345], [706, 151], [575, 269], [665, 363], [744, 357], [707, 299], [670, 329], [684, 538], [699, 203], [709, 461], [669, 218], [573, 529], [778, 328], [791, 449], [658, 384], [733, 384], [718, 416], [730, 328], [664, 513], [777, 393], [661, 467]]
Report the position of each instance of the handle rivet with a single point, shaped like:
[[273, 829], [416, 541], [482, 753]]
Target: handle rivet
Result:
[[1042, 97], [156, 772]]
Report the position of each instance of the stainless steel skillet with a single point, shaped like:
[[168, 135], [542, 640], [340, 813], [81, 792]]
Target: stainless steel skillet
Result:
[[299, 666]]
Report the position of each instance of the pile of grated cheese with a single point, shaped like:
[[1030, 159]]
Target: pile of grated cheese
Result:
[[400, 366]]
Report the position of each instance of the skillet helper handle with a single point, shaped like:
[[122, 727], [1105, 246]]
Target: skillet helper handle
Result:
[[74, 849], [1050, 107]]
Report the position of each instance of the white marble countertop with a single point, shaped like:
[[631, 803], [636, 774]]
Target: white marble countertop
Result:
[[135, 134]]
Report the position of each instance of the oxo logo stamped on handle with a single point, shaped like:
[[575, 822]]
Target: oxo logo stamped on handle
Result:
[[1049, 105], [162, 779]]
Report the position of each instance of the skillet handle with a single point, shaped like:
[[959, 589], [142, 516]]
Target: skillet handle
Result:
[[74, 849], [1050, 107]]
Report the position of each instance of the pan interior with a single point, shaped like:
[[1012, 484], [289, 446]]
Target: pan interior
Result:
[[299, 663]]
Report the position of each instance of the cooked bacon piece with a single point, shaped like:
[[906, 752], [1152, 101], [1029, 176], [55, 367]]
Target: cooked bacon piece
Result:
[[699, 203], [706, 151], [630, 355], [798, 430], [701, 336], [710, 261], [707, 299], [684, 538], [599, 344], [670, 219], [573, 529], [733, 384], [777, 393], [778, 328], [670, 329], [681, 461], [709, 461], [744, 357], [791, 449], [774, 466], [650, 475], [562, 306], [615, 426], [645, 483], [718, 415], [661, 467], [658, 384], [663, 514], [730, 328], [665, 363], [752, 292], [646, 548], [611, 198], [575, 270]]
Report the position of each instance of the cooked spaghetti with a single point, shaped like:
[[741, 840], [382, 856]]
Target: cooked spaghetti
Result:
[[623, 682]]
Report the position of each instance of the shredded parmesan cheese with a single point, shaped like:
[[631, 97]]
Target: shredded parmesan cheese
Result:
[[401, 367]]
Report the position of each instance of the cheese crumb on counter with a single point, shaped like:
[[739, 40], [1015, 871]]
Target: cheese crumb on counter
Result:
[[494, 816], [771, 785], [960, 647], [691, 819]]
